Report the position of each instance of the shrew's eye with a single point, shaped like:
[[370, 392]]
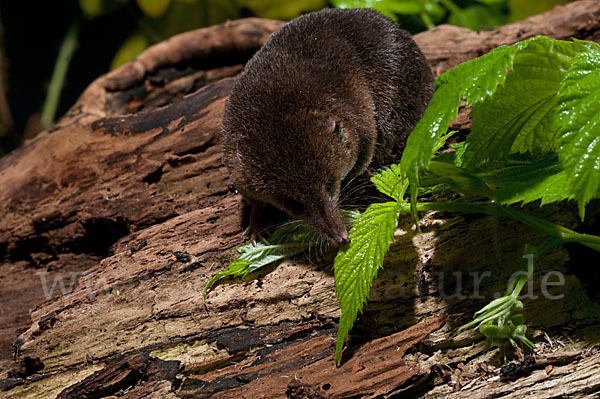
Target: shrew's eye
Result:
[[337, 129], [337, 132], [333, 127]]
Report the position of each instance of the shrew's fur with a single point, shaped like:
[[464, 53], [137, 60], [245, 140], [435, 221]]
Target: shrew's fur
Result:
[[329, 92]]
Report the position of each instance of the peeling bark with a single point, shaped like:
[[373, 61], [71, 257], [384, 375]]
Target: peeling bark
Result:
[[115, 218]]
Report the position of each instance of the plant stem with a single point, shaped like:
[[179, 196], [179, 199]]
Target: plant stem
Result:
[[65, 53], [453, 8], [562, 234], [548, 244], [427, 21]]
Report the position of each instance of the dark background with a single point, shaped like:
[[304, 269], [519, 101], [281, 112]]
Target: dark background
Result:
[[31, 34], [31, 43]]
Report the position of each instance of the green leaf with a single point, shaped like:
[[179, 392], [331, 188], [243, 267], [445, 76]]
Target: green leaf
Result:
[[459, 179], [277, 9], [492, 2], [356, 264], [183, 16], [519, 9], [472, 81], [131, 48], [285, 242], [406, 7], [493, 311], [390, 8], [389, 181], [238, 268], [511, 113], [253, 257], [434, 11], [477, 17], [453, 157], [578, 123], [518, 117], [154, 8], [94, 8], [525, 178], [352, 3], [395, 6], [289, 240], [91, 8]]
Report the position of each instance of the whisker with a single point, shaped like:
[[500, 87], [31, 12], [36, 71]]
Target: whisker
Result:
[[353, 187], [347, 183], [316, 246], [325, 247], [361, 207], [367, 197], [356, 182], [348, 194], [311, 245]]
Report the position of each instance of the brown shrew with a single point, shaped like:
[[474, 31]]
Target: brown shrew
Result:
[[327, 94]]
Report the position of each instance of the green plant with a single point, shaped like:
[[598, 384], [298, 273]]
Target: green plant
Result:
[[535, 137], [418, 15], [498, 321], [61, 66], [425, 14], [161, 19]]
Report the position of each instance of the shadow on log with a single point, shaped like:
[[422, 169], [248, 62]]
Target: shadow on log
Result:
[[115, 218]]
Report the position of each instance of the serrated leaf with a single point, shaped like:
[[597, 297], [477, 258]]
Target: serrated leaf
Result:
[[459, 179], [286, 241], [357, 263], [253, 257], [525, 178], [578, 123], [518, 117], [472, 81], [475, 81], [261, 254], [389, 181], [238, 268], [421, 142], [453, 157]]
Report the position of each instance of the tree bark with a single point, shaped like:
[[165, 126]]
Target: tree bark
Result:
[[115, 218]]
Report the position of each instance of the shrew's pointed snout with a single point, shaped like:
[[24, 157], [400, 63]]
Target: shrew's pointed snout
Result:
[[328, 221], [341, 237]]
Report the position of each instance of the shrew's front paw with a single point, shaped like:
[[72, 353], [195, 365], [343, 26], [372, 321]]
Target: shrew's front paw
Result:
[[257, 226]]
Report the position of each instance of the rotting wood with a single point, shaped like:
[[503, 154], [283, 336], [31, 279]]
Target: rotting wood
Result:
[[123, 375], [126, 197]]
